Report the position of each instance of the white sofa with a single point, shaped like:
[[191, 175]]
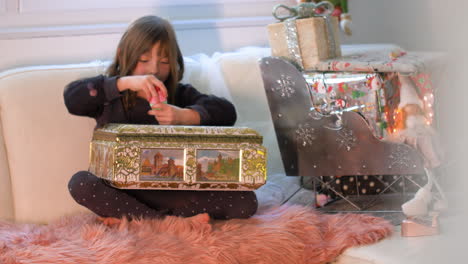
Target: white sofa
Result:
[[42, 145]]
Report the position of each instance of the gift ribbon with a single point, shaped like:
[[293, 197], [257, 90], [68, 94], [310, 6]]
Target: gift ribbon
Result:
[[292, 41], [305, 10]]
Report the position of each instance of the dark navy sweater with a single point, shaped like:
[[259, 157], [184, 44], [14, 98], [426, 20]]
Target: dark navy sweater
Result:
[[99, 98]]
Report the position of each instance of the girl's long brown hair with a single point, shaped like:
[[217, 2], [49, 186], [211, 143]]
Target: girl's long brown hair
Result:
[[139, 38]]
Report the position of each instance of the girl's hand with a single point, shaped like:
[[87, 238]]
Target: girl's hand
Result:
[[144, 85], [167, 114]]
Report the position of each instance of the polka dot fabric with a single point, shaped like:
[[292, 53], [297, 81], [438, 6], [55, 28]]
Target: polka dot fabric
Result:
[[370, 184]]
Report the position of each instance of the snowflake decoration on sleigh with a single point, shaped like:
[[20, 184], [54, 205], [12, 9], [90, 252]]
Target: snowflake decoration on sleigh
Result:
[[305, 134], [346, 139], [285, 88]]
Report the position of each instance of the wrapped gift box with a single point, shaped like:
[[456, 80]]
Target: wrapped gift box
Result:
[[178, 157], [360, 92], [305, 41]]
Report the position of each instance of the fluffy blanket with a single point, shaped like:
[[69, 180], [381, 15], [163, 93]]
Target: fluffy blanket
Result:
[[286, 234]]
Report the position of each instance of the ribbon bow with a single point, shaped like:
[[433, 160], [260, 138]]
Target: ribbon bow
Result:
[[303, 10]]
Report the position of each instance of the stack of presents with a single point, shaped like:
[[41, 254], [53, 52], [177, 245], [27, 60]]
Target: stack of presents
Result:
[[355, 121]]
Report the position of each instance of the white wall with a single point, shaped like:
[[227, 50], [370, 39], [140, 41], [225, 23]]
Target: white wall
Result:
[[406, 23], [17, 52], [31, 34], [27, 38], [34, 33]]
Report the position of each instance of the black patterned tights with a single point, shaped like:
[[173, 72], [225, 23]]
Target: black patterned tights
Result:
[[107, 201]]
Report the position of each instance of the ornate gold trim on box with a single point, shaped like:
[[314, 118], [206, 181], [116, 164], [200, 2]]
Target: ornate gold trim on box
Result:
[[178, 157]]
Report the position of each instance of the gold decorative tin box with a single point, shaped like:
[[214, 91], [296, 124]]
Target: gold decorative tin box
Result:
[[178, 157]]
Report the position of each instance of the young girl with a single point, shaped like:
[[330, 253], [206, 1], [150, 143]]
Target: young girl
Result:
[[147, 68]]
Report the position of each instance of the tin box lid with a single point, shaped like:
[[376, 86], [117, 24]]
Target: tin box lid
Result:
[[122, 131]]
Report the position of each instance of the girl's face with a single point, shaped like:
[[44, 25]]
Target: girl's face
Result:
[[154, 62]]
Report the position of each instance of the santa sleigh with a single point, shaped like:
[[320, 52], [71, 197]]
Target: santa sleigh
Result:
[[319, 145]]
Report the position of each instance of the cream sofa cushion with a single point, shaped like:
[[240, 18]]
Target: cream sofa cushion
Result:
[[44, 144], [6, 198]]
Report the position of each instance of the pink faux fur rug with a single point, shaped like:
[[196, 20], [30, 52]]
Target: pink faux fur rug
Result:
[[287, 234]]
